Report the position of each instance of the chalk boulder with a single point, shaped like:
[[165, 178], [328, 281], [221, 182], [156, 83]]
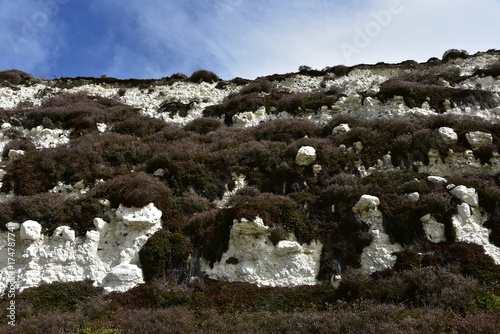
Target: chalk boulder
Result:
[[305, 156], [30, 230], [448, 135], [479, 139]]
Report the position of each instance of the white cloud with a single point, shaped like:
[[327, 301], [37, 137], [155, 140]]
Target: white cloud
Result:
[[252, 38], [30, 36]]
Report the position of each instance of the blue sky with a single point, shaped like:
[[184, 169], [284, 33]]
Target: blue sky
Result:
[[245, 38]]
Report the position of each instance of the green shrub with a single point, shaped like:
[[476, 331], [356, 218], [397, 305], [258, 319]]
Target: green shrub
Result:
[[59, 296], [489, 301], [165, 254]]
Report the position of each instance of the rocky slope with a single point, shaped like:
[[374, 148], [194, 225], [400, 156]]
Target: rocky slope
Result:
[[285, 180]]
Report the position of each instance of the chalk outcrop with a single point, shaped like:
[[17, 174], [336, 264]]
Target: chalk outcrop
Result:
[[251, 257], [379, 255], [108, 256], [468, 223]]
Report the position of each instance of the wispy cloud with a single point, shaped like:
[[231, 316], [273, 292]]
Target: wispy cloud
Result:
[[31, 36], [252, 38], [248, 38]]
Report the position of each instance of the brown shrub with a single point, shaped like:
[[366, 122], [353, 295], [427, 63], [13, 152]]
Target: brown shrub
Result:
[[287, 130], [138, 190], [420, 87], [203, 125], [453, 54], [203, 76], [24, 144], [15, 77]]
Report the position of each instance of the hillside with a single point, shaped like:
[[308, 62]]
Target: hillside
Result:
[[331, 199]]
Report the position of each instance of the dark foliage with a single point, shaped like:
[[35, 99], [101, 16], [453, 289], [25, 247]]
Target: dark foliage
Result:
[[51, 211], [474, 262], [15, 77], [203, 125], [491, 70], [261, 93], [275, 211], [453, 54], [307, 70], [338, 71], [165, 255], [175, 108], [59, 296], [18, 144], [258, 86], [416, 93], [203, 76], [493, 224], [303, 103], [211, 233], [138, 190], [287, 130]]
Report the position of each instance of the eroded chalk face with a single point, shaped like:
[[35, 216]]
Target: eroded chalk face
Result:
[[252, 257]]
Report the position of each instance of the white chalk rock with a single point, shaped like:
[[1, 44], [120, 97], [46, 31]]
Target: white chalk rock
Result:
[[367, 208], [251, 257], [64, 233], [13, 226], [316, 169], [437, 179], [15, 154], [122, 277], [305, 156], [30, 230], [478, 139], [335, 281], [341, 128], [379, 255], [100, 224], [448, 135], [101, 127], [414, 197], [139, 217], [434, 230], [287, 247], [466, 195]]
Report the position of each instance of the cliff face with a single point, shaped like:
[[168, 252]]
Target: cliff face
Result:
[[285, 180]]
